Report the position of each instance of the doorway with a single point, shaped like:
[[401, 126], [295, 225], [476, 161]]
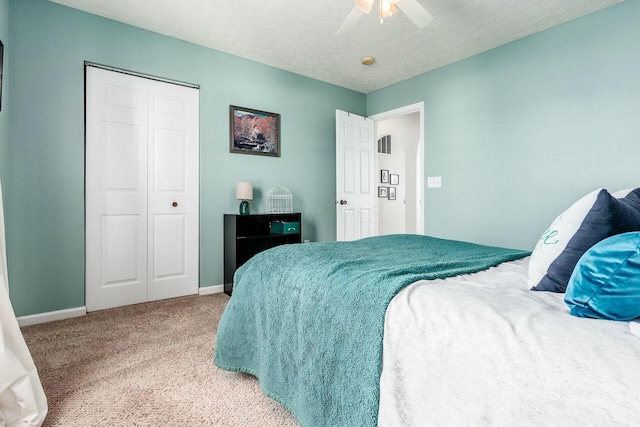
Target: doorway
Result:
[[141, 189], [402, 159]]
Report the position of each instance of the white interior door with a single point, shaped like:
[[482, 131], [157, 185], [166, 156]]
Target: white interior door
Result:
[[173, 191], [141, 157], [355, 183], [116, 190]]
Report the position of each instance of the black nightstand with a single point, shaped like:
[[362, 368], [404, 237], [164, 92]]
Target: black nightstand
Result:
[[247, 235]]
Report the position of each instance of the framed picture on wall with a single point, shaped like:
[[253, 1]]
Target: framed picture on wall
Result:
[[1, 61], [254, 132], [383, 192], [392, 193], [384, 176], [395, 179]]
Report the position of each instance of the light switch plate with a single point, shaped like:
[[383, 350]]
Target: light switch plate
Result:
[[434, 181]]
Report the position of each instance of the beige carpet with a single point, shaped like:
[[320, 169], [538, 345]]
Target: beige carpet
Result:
[[146, 365]]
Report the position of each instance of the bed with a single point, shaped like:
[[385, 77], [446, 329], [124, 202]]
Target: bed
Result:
[[409, 330], [503, 356]]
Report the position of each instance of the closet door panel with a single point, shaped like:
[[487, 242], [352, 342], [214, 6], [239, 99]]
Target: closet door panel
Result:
[[173, 191], [116, 190]]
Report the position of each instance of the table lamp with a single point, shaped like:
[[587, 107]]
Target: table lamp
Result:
[[244, 192]]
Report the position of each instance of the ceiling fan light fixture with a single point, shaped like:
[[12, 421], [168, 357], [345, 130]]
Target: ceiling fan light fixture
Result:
[[387, 9], [368, 60], [411, 8], [364, 5]]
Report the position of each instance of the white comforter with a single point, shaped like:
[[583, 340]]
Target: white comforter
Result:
[[481, 349]]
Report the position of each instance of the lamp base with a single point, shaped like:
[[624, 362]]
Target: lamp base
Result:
[[244, 208]]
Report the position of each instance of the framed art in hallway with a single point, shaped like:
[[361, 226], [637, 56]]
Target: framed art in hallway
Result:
[[395, 179], [383, 192], [384, 176], [392, 193], [254, 132]]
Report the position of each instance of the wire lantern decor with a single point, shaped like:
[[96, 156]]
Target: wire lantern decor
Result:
[[279, 200]]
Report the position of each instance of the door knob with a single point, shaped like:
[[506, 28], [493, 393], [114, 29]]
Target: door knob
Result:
[[174, 204], [343, 202]]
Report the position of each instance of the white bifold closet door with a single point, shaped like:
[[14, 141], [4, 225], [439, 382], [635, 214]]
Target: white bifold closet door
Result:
[[142, 190]]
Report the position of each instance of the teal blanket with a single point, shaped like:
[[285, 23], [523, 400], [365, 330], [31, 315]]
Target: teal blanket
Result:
[[308, 320]]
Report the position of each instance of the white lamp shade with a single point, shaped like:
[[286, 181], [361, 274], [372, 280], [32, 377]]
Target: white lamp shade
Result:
[[244, 191]]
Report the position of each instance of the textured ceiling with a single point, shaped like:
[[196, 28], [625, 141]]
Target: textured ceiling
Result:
[[300, 35]]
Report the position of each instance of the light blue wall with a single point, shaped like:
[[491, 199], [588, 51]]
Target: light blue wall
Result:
[[520, 132], [46, 142]]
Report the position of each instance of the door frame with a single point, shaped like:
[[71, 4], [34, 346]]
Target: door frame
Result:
[[143, 75], [413, 108]]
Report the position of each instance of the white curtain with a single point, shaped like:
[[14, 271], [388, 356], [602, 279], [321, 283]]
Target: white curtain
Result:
[[22, 399]]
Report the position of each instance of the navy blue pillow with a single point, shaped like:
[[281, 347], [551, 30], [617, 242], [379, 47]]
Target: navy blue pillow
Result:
[[606, 281], [607, 217], [632, 198]]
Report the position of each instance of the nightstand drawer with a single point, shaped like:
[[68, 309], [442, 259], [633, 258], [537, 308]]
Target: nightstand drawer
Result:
[[282, 227]]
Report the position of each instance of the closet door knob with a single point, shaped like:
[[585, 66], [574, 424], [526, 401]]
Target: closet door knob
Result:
[[174, 204]]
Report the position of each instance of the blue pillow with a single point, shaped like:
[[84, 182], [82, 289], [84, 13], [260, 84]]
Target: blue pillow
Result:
[[591, 219], [630, 196], [606, 281]]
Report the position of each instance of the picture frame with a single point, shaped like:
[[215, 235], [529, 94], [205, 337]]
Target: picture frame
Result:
[[383, 192], [1, 65], [384, 176], [392, 193], [394, 179], [254, 132]]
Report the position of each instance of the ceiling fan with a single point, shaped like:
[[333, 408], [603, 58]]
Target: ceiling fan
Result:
[[411, 8]]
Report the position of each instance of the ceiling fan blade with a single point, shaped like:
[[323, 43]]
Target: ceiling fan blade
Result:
[[415, 12], [351, 21]]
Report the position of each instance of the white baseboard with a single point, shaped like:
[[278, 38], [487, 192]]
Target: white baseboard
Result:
[[50, 316], [215, 289]]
